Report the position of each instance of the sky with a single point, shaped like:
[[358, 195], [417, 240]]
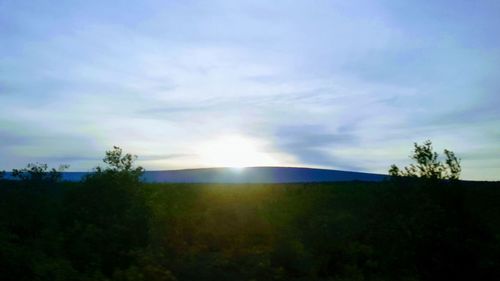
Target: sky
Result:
[[347, 85]]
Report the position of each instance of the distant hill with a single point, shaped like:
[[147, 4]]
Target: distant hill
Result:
[[259, 175], [249, 175], [245, 175]]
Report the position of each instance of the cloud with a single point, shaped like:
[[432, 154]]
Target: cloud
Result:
[[336, 84], [313, 145], [164, 156]]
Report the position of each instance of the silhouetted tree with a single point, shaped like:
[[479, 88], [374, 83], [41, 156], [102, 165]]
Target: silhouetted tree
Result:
[[428, 166], [119, 165], [108, 217], [36, 172], [2, 175]]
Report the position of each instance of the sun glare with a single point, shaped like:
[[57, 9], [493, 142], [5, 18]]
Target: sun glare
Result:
[[233, 151]]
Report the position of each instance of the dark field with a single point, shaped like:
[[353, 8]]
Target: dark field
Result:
[[393, 230]]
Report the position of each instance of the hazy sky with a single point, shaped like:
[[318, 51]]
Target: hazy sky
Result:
[[338, 84]]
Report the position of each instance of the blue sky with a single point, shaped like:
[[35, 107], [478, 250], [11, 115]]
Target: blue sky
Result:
[[336, 84]]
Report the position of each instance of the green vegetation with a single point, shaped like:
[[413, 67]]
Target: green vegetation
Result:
[[37, 173], [112, 227], [428, 166]]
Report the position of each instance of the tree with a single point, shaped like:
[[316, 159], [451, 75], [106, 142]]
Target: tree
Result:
[[2, 175], [119, 165], [108, 217], [36, 172], [428, 165]]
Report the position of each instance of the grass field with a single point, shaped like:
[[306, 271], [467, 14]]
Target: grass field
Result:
[[337, 231]]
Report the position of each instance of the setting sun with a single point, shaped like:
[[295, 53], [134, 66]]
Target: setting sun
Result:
[[233, 151]]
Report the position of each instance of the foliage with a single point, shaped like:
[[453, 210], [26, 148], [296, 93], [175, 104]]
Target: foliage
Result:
[[113, 227], [36, 172], [107, 216], [341, 231], [428, 166], [119, 166], [2, 175]]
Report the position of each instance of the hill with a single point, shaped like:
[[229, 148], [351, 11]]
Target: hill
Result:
[[248, 175]]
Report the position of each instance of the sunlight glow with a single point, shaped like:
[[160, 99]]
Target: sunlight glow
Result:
[[234, 151]]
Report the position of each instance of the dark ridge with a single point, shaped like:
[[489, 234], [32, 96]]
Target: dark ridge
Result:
[[259, 175], [245, 175]]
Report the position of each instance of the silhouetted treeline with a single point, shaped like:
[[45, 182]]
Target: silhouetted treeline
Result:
[[113, 227]]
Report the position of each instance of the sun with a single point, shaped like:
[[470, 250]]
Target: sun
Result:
[[233, 151]]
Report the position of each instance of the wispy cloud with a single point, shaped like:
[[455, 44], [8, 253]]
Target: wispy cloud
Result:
[[333, 84]]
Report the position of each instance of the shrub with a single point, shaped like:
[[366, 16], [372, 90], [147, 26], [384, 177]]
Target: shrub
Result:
[[36, 172], [428, 166]]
